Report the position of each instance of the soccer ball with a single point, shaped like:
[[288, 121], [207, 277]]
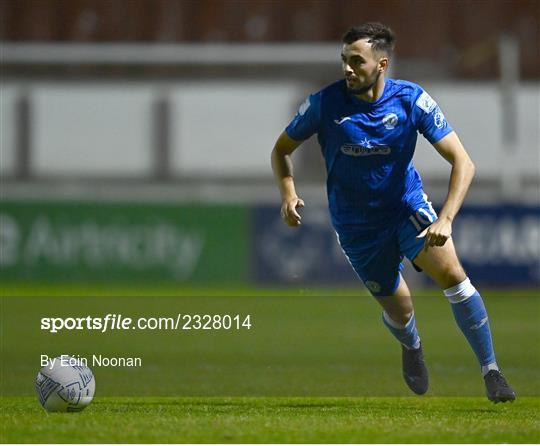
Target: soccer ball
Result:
[[65, 384]]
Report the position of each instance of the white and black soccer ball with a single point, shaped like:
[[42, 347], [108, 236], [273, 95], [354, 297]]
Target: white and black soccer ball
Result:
[[65, 385]]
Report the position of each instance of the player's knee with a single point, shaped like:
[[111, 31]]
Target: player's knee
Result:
[[402, 315], [452, 275], [406, 317]]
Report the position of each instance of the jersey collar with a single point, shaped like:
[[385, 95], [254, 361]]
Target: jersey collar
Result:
[[369, 104]]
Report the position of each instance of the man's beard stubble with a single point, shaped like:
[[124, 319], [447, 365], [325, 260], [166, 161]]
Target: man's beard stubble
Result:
[[365, 88]]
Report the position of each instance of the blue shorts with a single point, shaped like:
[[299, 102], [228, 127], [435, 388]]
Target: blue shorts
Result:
[[377, 257]]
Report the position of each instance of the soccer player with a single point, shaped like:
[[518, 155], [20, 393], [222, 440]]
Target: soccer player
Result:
[[367, 127]]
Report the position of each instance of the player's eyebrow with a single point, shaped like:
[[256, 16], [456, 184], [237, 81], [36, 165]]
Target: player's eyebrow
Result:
[[353, 56]]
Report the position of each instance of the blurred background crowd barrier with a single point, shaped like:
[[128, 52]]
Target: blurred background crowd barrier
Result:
[[136, 135]]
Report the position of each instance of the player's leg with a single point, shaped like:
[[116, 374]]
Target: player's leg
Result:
[[399, 305], [377, 261], [443, 266], [378, 264], [398, 316]]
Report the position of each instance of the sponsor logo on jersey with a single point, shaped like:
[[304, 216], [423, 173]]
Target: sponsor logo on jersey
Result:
[[426, 102], [390, 121], [360, 150], [342, 120]]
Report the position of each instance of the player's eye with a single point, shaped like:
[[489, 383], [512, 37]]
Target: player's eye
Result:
[[355, 62]]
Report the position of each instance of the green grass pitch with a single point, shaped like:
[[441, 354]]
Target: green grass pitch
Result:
[[317, 366], [276, 420]]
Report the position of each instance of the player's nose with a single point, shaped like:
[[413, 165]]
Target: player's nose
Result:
[[347, 69]]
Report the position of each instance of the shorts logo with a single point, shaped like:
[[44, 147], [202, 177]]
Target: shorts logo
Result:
[[426, 102], [372, 286], [390, 121], [439, 120]]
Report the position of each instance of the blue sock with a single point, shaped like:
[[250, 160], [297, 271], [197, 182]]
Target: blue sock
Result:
[[406, 334], [471, 317]]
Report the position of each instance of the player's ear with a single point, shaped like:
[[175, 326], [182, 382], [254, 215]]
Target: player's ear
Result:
[[383, 64]]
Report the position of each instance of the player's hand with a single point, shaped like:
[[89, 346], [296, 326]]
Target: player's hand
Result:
[[289, 211], [436, 234]]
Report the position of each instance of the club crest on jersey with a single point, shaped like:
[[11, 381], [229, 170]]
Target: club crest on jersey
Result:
[[426, 102], [390, 121]]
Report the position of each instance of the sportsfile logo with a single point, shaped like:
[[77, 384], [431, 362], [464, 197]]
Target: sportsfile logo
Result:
[[112, 322]]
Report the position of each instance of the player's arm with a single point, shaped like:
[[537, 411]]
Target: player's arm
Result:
[[283, 172], [463, 169], [451, 149]]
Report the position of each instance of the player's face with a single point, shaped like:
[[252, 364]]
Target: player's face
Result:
[[361, 66]]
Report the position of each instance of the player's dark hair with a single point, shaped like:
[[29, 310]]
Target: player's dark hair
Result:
[[381, 37]]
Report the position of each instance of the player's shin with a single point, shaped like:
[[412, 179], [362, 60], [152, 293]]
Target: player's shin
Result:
[[471, 317], [406, 334]]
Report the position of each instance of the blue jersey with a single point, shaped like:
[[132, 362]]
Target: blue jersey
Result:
[[368, 149]]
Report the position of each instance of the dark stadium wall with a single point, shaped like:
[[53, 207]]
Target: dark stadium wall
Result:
[[462, 33]]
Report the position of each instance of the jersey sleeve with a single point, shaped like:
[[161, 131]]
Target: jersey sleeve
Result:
[[307, 120], [429, 118]]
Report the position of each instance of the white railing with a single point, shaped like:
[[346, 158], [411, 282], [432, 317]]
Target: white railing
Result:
[[170, 54]]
